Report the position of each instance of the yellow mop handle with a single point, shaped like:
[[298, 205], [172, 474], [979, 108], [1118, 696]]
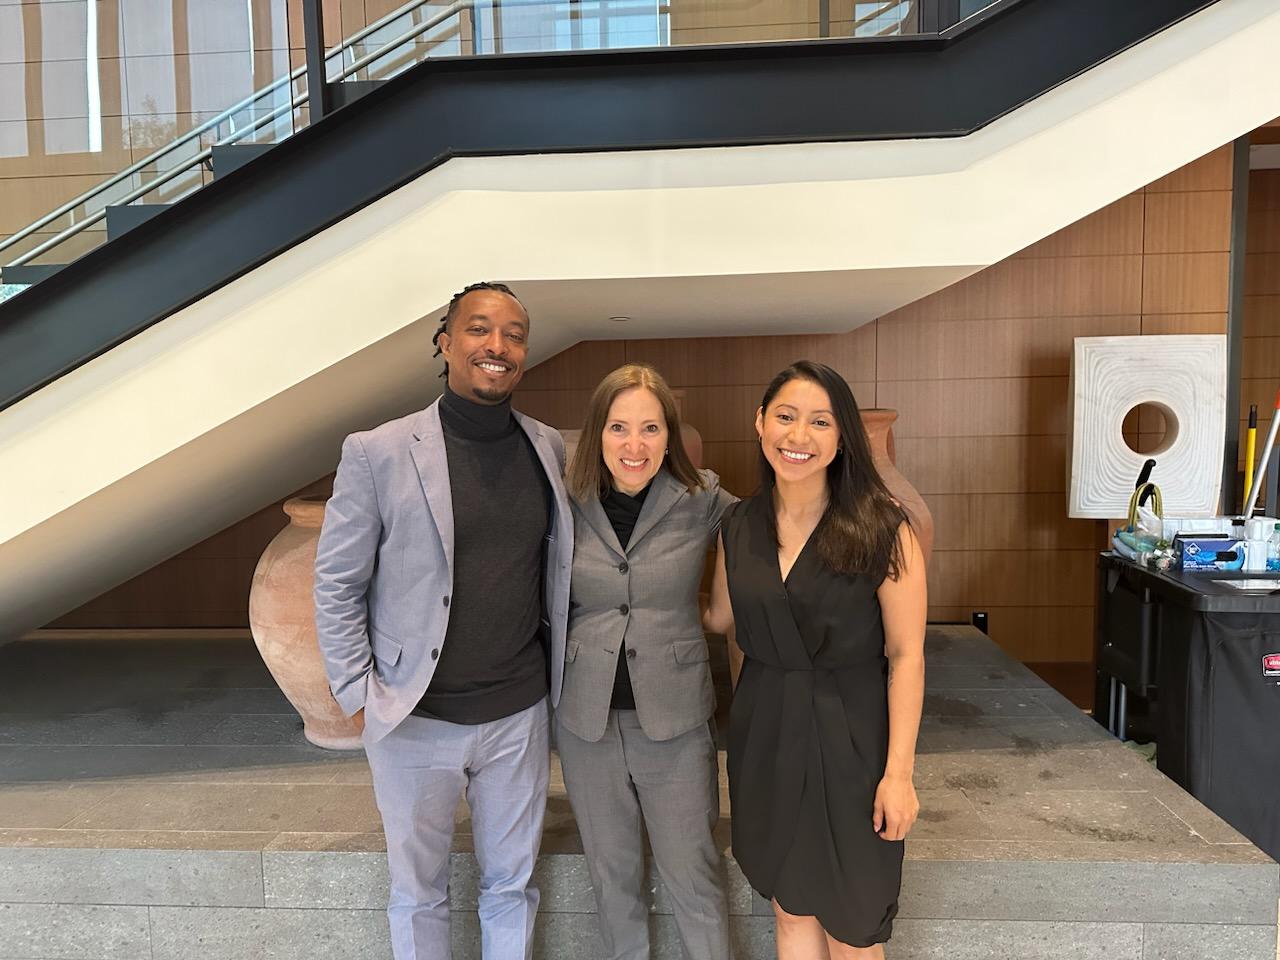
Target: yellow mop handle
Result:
[[1250, 443]]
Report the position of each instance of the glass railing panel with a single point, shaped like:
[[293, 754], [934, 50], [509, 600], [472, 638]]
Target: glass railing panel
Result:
[[157, 117]]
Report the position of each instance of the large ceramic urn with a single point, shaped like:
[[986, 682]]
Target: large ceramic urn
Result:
[[878, 422], [282, 618]]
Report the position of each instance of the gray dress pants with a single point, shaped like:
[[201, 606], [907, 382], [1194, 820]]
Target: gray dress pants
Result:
[[623, 780], [420, 770]]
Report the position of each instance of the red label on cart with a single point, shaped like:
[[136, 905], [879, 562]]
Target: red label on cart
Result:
[[1271, 665]]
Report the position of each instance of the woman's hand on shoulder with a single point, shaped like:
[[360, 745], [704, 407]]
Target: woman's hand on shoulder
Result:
[[896, 807]]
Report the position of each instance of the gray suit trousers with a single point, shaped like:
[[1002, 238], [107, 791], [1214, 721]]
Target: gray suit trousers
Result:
[[671, 786], [420, 770]]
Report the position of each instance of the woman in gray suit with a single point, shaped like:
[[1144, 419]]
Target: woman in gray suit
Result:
[[633, 726]]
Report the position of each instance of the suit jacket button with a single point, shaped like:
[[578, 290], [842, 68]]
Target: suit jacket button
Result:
[[446, 601], [435, 653], [624, 609], [631, 654], [623, 567]]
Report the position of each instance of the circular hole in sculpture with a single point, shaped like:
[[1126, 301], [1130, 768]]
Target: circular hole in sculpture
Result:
[[1150, 428]]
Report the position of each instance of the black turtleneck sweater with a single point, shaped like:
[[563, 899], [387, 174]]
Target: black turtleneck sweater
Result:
[[493, 663], [623, 511]]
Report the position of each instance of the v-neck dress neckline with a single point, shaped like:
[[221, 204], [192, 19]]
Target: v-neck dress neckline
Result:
[[804, 548]]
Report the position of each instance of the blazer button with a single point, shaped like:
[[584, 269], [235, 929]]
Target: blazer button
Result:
[[623, 567], [446, 601], [624, 609], [631, 654], [435, 653]]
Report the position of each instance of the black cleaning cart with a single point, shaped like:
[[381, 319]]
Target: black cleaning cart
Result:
[[1208, 653]]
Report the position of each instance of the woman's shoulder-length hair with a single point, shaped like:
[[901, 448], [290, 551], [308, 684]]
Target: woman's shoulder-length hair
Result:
[[588, 476]]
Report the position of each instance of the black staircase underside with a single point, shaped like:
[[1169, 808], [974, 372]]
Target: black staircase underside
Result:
[[833, 90]]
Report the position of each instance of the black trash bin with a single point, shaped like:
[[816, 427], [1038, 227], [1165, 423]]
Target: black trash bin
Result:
[[1217, 672]]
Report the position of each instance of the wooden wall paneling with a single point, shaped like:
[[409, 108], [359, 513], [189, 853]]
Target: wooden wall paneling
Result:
[[1210, 172], [737, 462], [1264, 191], [989, 348], [1262, 274], [580, 367], [1188, 222], [1012, 578], [1043, 287], [1006, 521], [984, 464], [714, 361], [1179, 323], [1115, 229], [1262, 315], [1260, 358], [115, 155], [804, 30], [563, 409], [1263, 230], [970, 408], [1185, 282], [710, 15], [25, 199]]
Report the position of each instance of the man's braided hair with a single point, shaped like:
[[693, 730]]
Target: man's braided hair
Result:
[[453, 311]]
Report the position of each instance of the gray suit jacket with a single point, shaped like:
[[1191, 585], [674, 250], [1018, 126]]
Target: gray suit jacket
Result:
[[384, 565], [656, 578]]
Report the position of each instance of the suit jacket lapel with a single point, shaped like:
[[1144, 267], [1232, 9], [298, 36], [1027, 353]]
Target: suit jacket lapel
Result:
[[432, 461], [547, 457], [594, 513], [666, 493]]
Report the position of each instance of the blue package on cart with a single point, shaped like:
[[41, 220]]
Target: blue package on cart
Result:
[[1207, 552]]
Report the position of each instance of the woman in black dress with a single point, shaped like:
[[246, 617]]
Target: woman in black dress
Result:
[[823, 581]]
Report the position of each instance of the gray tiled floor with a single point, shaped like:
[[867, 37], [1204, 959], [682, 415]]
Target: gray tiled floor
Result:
[[179, 772], [189, 744]]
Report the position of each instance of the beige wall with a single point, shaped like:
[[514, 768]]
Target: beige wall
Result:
[[978, 372]]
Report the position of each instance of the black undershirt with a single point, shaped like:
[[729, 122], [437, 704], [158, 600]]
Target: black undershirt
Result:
[[493, 663], [623, 511]]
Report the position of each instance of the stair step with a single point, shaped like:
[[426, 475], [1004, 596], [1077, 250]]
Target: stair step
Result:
[[28, 273], [123, 218], [233, 156]]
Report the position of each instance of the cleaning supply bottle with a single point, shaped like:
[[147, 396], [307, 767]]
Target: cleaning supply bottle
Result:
[[1273, 551]]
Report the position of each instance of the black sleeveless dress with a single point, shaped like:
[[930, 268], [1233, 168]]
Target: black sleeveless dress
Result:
[[809, 734]]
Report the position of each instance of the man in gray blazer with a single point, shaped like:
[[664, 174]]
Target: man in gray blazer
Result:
[[442, 591]]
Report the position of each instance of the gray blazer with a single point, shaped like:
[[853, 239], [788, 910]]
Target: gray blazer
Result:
[[384, 565], [646, 596]]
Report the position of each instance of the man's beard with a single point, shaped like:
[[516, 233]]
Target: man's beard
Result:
[[491, 394]]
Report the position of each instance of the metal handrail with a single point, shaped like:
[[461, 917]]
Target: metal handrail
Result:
[[355, 67], [347, 71], [196, 132]]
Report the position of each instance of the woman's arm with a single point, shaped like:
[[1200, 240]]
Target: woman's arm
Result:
[[718, 615], [903, 607]]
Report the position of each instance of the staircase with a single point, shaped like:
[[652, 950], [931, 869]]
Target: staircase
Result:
[[209, 356]]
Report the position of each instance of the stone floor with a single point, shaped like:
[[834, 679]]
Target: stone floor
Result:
[[157, 795]]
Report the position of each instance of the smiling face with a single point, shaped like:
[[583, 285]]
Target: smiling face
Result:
[[485, 346], [798, 432], [634, 440]]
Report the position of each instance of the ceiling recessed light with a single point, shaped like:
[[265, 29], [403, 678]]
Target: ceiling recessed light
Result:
[[619, 319]]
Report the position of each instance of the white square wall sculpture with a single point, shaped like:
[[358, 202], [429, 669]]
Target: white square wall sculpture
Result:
[[1185, 377]]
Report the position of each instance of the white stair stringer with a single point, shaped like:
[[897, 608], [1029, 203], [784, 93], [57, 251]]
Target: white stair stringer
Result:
[[246, 394]]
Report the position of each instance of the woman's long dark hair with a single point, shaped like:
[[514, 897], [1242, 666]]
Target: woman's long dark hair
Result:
[[858, 532]]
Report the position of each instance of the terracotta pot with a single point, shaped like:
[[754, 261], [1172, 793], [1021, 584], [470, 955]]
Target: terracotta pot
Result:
[[282, 618], [879, 425]]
